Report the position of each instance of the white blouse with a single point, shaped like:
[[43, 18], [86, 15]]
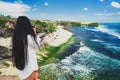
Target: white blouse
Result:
[[32, 59]]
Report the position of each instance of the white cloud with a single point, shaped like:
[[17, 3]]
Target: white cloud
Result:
[[35, 8], [115, 4], [85, 9], [101, 0], [46, 4], [107, 14], [13, 9]]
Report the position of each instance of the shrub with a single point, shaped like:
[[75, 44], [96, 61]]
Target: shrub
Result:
[[43, 27], [93, 24], [50, 73], [50, 28], [2, 22]]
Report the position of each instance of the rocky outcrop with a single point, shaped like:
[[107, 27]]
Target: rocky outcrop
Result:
[[5, 53], [6, 28], [6, 42], [6, 32]]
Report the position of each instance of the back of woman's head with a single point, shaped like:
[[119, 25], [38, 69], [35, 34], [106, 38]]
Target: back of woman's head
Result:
[[23, 27]]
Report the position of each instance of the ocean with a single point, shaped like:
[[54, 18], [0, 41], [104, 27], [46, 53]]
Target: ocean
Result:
[[98, 50]]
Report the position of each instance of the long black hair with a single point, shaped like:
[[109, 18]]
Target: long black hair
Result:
[[23, 27]]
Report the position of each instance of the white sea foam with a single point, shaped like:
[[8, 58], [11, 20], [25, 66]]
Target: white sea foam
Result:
[[96, 40], [111, 47], [105, 30], [68, 60], [108, 31], [81, 43], [114, 49], [81, 68], [91, 29], [84, 49], [86, 60]]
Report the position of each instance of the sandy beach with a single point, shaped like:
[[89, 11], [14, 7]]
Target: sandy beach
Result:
[[58, 37]]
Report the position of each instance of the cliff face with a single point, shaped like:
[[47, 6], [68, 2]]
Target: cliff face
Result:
[[6, 42], [6, 28], [5, 50], [5, 53]]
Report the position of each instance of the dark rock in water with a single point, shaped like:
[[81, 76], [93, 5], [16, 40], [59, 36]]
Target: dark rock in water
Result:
[[68, 51]]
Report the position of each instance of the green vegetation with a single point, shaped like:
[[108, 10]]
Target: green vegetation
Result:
[[43, 27], [5, 19], [68, 24], [50, 54], [50, 28], [93, 24], [76, 23], [2, 22], [6, 30], [51, 73], [64, 23]]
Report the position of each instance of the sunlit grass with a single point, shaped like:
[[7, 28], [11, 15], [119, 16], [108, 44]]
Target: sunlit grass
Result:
[[50, 54], [51, 73]]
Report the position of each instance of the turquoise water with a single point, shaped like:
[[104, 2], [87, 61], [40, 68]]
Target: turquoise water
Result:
[[98, 51]]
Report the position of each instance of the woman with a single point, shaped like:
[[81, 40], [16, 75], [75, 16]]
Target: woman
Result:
[[25, 43]]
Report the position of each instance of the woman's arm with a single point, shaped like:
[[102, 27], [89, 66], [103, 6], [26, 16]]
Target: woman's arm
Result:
[[34, 29], [32, 43]]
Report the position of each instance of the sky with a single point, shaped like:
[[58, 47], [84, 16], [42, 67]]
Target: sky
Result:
[[68, 10]]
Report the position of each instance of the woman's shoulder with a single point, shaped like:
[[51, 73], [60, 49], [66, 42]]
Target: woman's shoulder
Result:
[[29, 37]]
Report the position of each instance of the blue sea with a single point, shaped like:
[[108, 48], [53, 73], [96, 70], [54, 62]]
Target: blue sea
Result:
[[98, 50]]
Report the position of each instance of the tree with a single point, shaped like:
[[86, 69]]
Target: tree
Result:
[[50, 28]]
